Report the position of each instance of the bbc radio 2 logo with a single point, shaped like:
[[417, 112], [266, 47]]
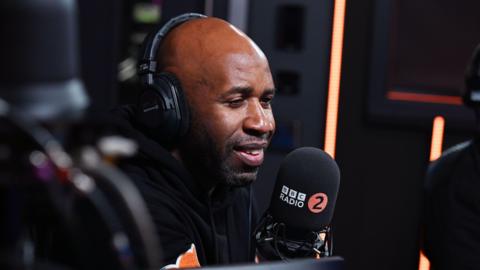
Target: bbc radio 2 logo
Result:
[[293, 197], [316, 203]]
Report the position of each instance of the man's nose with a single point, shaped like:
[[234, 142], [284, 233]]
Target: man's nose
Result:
[[258, 120]]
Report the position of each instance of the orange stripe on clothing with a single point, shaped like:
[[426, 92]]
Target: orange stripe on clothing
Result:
[[189, 259]]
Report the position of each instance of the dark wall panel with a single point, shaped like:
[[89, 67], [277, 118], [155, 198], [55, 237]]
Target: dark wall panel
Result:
[[378, 211], [99, 23]]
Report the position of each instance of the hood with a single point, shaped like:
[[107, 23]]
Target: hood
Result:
[[151, 153]]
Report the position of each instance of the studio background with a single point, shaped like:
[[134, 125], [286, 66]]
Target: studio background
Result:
[[382, 144]]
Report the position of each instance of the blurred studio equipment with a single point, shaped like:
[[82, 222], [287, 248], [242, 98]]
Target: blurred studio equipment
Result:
[[39, 70], [63, 203]]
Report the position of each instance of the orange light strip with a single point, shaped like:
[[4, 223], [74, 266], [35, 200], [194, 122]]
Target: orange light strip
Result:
[[437, 137], [335, 75], [438, 131], [424, 263], [426, 98]]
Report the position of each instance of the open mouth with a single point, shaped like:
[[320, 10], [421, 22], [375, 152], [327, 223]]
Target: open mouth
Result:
[[251, 154]]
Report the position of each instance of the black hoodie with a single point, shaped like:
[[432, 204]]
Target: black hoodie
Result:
[[452, 208], [218, 223]]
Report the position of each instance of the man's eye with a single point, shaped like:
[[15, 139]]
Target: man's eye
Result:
[[235, 103], [266, 101]]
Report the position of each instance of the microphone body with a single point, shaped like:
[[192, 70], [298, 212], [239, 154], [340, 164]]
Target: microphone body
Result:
[[297, 223], [39, 72]]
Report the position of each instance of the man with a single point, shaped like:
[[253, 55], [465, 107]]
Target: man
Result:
[[198, 191], [452, 205]]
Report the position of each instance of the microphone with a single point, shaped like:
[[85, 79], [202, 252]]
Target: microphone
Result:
[[297, 223], [39, 71]]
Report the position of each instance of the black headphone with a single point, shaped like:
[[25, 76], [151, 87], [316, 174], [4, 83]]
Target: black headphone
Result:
[[471, 96], [162, 111]]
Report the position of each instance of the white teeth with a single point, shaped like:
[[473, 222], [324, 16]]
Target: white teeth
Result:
[[253, 152]]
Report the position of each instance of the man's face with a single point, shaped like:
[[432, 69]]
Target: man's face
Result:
[[232, 120]]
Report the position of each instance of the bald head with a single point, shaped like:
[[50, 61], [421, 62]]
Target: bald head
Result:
[[197, 50]]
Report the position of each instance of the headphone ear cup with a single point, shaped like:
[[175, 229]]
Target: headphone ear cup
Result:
[[161, 110], [183, 108]]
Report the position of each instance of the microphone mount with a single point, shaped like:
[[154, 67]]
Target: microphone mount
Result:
[[276, 241]]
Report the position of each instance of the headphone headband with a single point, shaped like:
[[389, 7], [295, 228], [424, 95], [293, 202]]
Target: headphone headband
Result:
[[471, 96], [147, 65]]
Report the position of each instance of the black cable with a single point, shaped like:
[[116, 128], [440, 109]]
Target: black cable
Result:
[[38, 139], [47, 144], [131, 208], [250, 198]]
